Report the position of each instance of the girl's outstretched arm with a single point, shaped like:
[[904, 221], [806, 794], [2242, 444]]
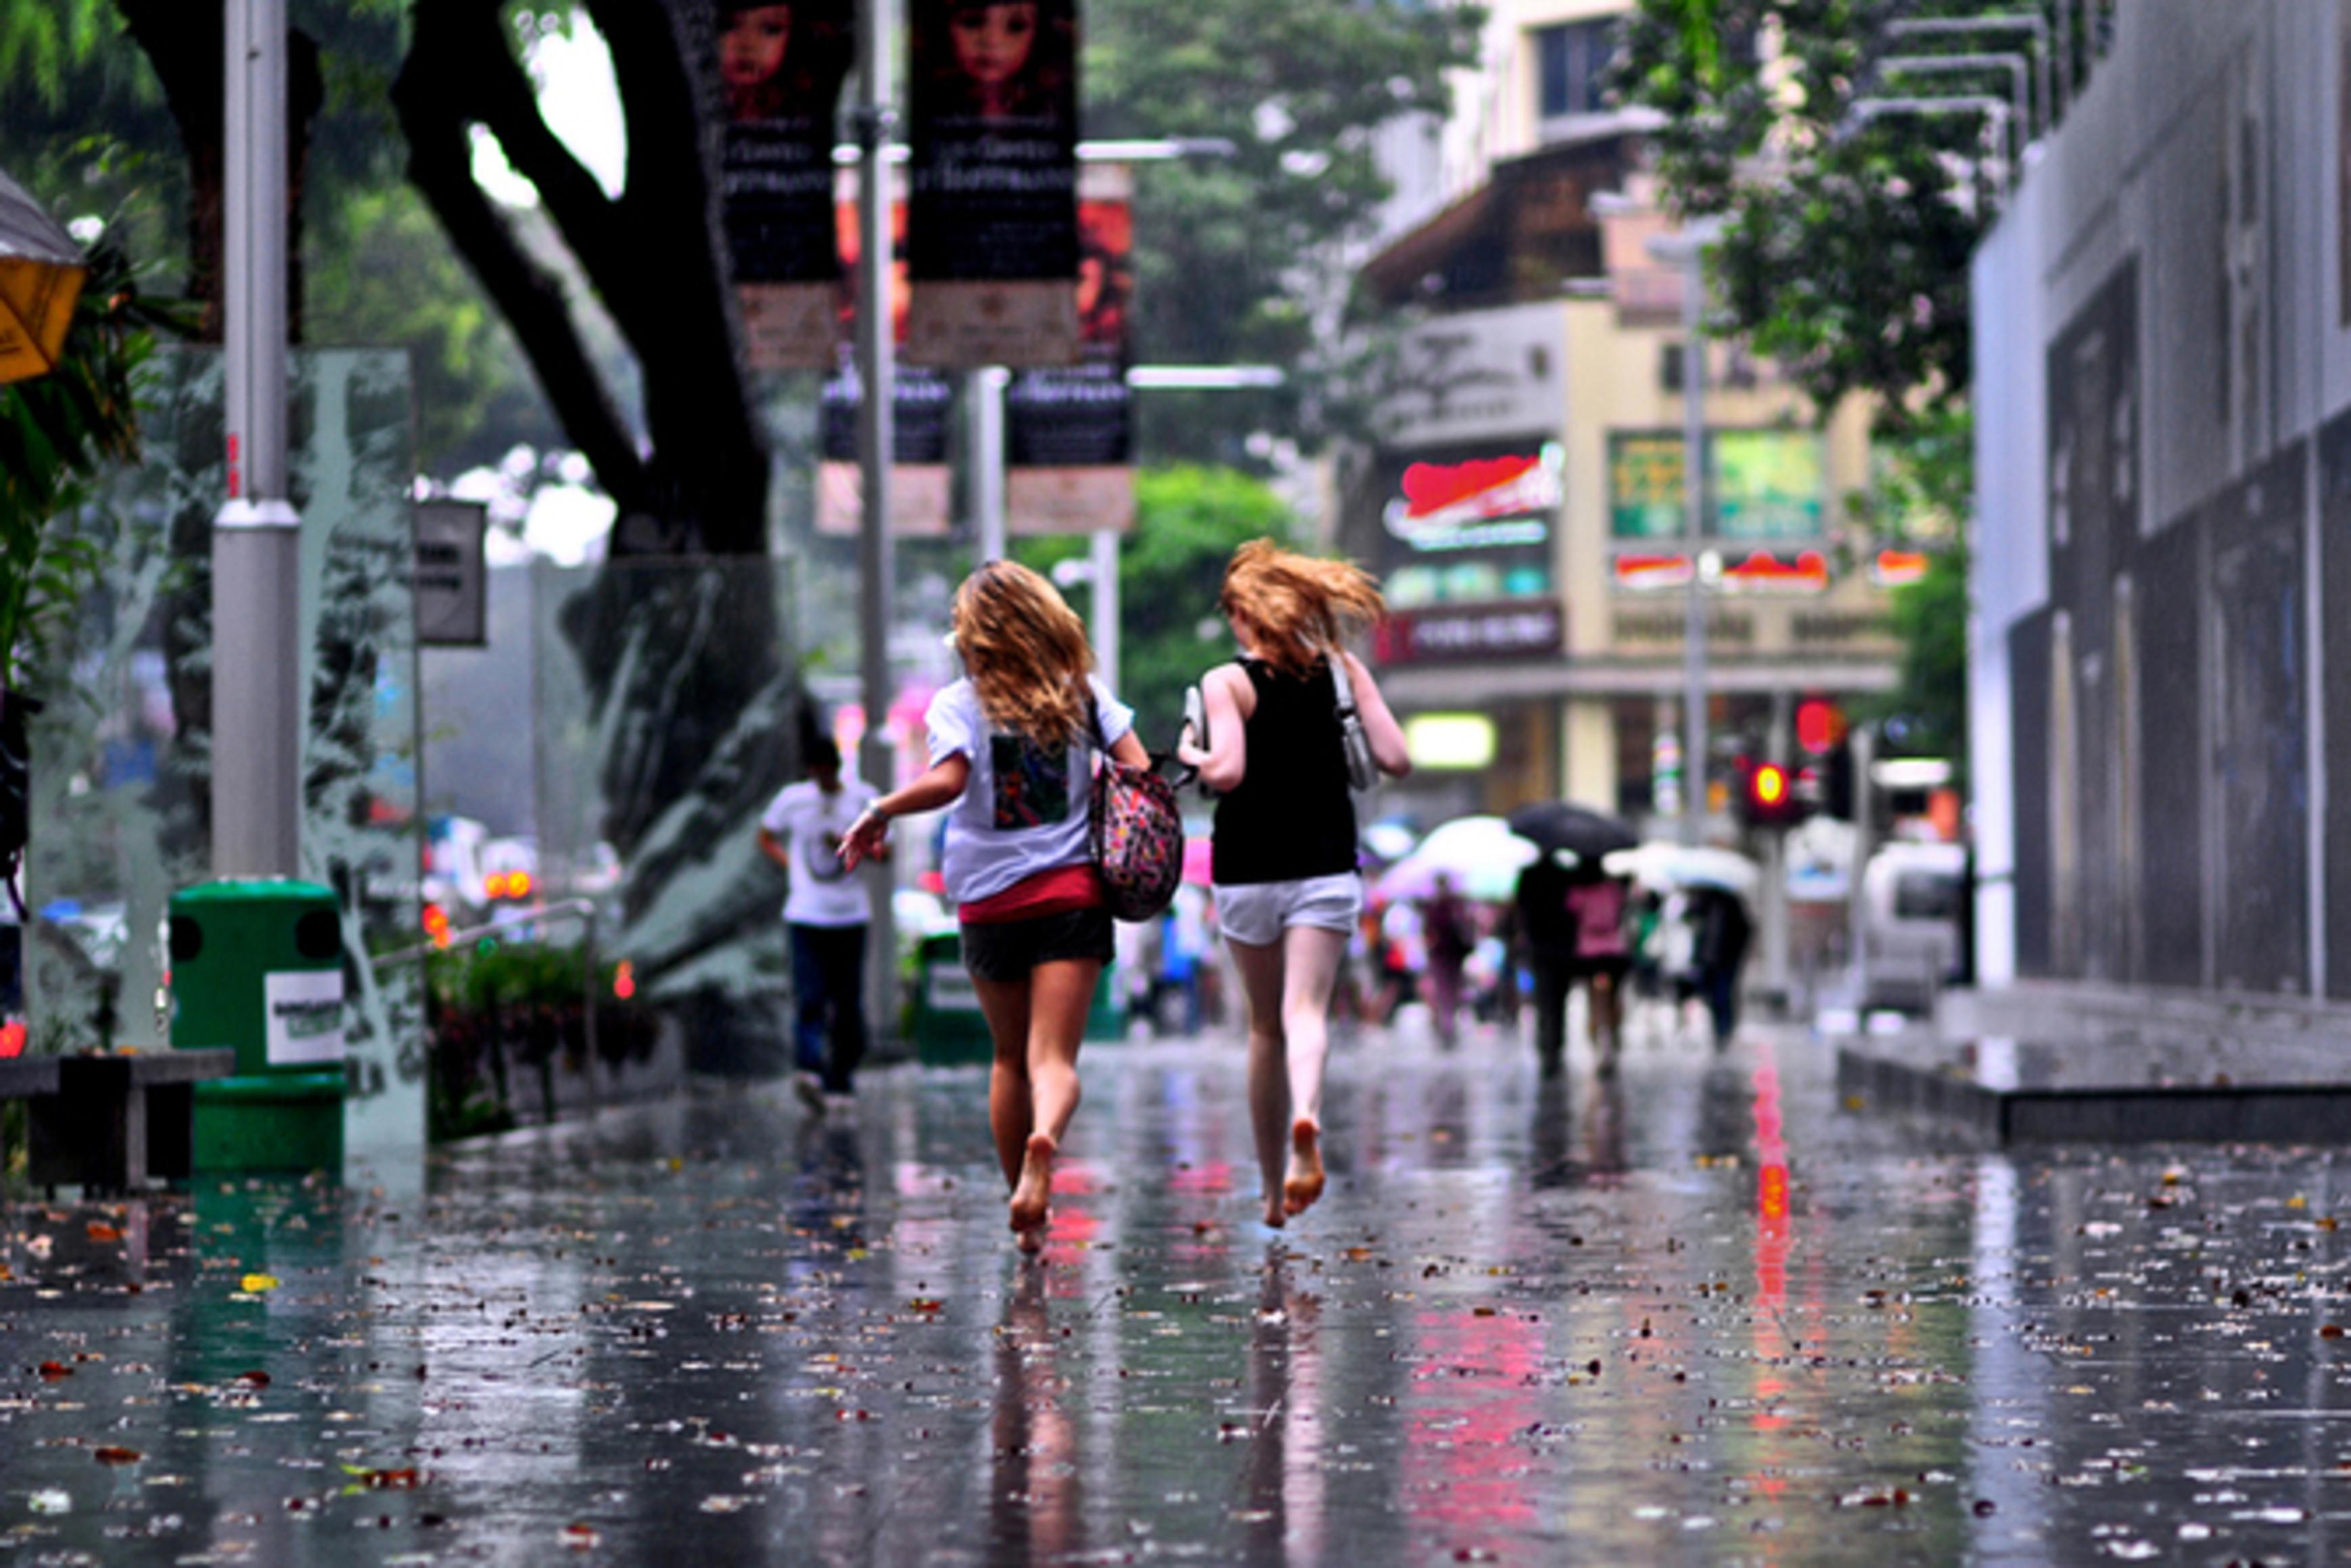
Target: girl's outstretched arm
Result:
[[942, 784]]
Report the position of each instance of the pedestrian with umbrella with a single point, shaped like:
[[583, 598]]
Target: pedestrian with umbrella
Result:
[[1571, 912]]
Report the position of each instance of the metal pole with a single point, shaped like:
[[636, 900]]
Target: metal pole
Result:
[[1863, 744], [877, 375], [1694, 714], [1105, 605], [256, 744], [987, 386], [1775, 869], [2025, 22]]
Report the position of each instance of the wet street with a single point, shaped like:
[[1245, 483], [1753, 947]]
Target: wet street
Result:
[[1702, 1313]]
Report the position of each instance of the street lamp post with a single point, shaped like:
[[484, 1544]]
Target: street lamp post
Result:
[[1689, 248], [2003, 22], [877, 373], [257, 744]]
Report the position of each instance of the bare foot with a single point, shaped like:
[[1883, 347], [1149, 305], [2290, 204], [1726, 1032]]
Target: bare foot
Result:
[[1276, 1215], [1032, 1195], [1303, 1185]]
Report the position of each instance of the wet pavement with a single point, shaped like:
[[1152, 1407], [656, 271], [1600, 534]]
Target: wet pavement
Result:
[[1701, 1313]]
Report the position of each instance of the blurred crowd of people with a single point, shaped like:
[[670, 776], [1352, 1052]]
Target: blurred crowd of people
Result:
[[1507, 964]]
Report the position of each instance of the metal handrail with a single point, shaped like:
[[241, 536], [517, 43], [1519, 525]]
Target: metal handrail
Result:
[[584, 908]]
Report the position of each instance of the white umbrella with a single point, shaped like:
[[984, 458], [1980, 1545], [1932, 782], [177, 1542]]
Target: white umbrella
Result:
[[1666, 866], [1480, 855]]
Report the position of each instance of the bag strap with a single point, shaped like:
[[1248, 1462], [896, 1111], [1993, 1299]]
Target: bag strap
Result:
[[1342, 688]]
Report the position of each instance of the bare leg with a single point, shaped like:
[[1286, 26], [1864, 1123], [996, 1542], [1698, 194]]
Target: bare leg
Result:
[[1607, 1021], [1005, 1003], [1310, 960], [1269, 1074], [1060, 993]]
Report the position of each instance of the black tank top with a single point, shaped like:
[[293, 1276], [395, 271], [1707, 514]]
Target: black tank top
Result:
[[1291, 816]]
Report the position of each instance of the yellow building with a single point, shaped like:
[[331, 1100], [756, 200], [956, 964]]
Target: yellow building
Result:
[[1523, 502]]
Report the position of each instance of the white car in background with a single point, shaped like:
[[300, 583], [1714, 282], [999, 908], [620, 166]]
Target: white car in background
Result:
[[1911, 897]]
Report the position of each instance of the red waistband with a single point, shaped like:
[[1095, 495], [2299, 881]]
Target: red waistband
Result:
[[1054, 892]]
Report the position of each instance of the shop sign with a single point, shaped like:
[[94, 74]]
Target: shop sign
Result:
[[1476, 377], [1478, 501], [1519, 629], [1762, 484]]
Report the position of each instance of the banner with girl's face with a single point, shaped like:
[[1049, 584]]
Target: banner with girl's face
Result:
[[1069, 433], [992, 111], [780, 69]]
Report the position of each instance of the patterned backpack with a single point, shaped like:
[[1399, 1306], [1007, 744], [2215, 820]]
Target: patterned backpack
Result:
[[1137, 833]]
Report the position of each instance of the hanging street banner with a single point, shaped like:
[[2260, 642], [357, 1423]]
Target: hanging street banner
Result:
[[780, 69], [920, 499], [1069, 433], [992, 93]]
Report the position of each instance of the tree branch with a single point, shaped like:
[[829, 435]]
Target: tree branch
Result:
[[430, 97], [675, 301], [504, 100]]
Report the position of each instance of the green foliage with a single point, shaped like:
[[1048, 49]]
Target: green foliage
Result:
[[44, 42], [1235, 259], [1189, 520], [382, 272], [83, 116], [1923, 500], [1847, 246], [59, 434]]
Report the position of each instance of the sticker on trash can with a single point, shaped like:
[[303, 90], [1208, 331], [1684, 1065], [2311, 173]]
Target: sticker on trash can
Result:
[[951, 991], [305, 1016]]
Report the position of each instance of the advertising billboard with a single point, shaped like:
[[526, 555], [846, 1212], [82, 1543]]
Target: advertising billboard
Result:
[[1762, 484]]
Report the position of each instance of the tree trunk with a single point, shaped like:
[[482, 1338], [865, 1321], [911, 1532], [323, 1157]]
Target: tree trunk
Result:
[[187, 45]]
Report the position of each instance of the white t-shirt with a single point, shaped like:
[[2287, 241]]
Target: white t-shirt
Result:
[[823, 893], [1024, 809]]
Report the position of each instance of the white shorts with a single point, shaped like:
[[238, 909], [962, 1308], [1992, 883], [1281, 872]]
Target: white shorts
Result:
[[1257, 913]]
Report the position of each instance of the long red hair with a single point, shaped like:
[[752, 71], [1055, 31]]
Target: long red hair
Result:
[[1299, 610]]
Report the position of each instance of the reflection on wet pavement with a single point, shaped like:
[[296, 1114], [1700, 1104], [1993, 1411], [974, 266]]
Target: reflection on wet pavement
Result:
[[1696, 1313]]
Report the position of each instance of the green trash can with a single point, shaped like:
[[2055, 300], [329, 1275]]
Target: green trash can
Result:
[[950, 1031], [257, 966]]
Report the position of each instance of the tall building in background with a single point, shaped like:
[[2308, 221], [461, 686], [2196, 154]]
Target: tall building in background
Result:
[[1523, 497]]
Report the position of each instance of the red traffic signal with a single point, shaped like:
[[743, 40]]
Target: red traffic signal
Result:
[[1771, 800], [1819, 725]]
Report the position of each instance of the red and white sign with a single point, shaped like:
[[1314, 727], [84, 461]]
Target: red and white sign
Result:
[[1448, 498]]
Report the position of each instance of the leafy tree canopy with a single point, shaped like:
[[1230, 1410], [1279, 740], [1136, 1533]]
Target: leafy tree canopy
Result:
[[1237, 259], [1848, 237], [1188, 521]]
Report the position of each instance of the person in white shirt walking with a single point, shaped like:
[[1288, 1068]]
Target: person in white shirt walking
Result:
[[826, 913]]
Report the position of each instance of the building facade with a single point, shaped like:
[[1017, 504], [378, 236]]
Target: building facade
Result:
[[1524, 495], [2160, 702]]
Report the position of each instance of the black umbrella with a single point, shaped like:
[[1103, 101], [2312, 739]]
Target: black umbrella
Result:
[[1583, 833], [41, 275]]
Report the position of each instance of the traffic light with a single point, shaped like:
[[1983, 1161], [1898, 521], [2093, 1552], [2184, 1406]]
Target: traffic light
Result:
[[1837, 796], [1770, 797], [1819, 726]]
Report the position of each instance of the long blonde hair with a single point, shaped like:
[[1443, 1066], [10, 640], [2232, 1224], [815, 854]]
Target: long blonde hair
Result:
[[1026, 651], [1298, 608]]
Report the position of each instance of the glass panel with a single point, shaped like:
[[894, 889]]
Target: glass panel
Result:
[[665, 714], [121, 763]]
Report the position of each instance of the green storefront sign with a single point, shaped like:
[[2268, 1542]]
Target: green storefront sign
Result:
[[1765, 484]]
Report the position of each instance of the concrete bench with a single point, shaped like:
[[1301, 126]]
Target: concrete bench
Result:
[[24, 1077], [117, 1122]]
